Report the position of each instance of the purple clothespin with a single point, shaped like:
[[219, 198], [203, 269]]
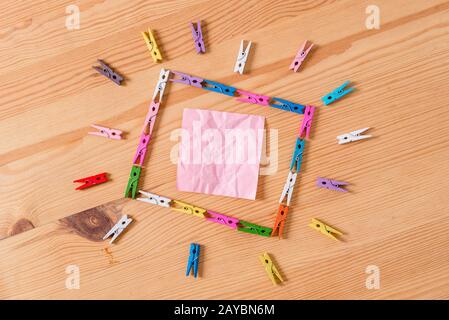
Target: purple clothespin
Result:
[[222, 219], [108, 72], [306, 123], [198, 37], [109, 133], [331, 184], [188, 79], [253, 98], [300, 56]]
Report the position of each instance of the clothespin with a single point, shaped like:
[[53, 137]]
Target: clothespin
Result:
[[150, 118], [254, 229], [300, 56], [109, 133], [222, 219], [253, 98], [218, 87], [194, 258], [306, 123], [133, 182], [187, 79], [152, 45], [118, 228], [280, 220], [331, 184], [336, 94], [92, 181], [187, 208], [270, 268], [154, 199], [241, 58], [141, 149], [198, 37], [108, 72], [288, 188], [164, 75], [297, 154], [353, 136], [288, 106], [325, 229]]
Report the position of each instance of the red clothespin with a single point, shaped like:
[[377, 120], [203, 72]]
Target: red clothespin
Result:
[[91, 181], [306, 123], [280, 220]]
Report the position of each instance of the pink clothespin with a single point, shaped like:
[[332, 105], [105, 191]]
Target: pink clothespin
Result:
[[306, 123], [253, 98], [151, 117], [222, 219], [142, 148], [300, 56], [113, 134]]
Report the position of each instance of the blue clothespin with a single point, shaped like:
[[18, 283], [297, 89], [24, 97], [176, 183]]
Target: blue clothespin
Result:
[[336, 94], [193, 259], [297, 155], [218, 87], [288, 106]]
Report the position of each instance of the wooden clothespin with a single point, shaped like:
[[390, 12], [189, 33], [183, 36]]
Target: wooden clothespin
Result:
[[325, 229], [270, 268]]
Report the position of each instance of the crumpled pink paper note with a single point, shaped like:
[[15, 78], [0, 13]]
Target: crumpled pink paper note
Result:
[[220, 153]]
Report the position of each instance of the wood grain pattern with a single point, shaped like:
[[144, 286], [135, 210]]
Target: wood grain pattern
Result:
[[395, 216]]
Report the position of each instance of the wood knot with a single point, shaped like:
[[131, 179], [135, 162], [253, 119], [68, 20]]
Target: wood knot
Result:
[[20, 226], [91, 224]]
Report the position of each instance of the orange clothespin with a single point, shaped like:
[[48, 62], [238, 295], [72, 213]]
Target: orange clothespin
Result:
[[280, 220]]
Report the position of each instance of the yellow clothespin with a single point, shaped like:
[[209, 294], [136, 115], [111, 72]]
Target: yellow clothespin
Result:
[[152, 45], [270, 268], [188, 208], [325, 229]]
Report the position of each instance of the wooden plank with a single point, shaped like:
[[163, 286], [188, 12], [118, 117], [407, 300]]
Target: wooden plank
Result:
[[395, 216]]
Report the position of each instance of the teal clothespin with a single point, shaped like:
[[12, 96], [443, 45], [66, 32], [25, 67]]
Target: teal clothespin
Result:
[[254, 229], [133, 182], [297, 154], [336, 94], [288, 106]]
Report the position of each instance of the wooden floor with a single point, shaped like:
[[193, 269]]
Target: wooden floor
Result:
[[396, 215]]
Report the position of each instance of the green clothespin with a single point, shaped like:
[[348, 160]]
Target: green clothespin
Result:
[[254, 229], [133, 182]]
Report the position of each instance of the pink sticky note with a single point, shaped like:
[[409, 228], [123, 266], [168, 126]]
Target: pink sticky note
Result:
[[220, 153]]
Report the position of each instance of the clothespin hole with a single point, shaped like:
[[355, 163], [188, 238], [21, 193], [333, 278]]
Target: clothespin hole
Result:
[[114, 76], [266, 261], [296, 63], [323, 182], [282, 212], [296, 108], [317, 225], [299, 146], [240, 64]]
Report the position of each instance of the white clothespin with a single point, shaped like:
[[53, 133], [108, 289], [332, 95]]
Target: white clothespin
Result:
[[288, 187], [161, 84], [118, 228], [352, 136], [241, 58], [154, 199]]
